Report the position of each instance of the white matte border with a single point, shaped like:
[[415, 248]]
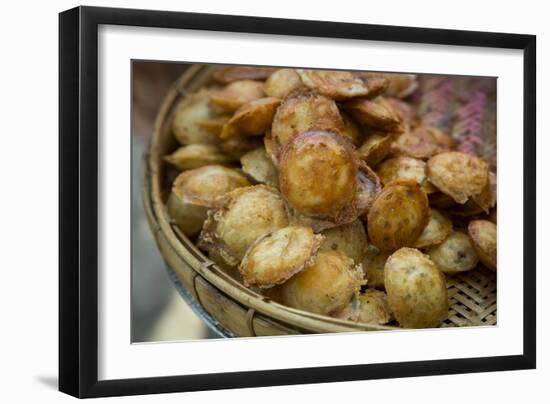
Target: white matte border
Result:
[[118, 359]]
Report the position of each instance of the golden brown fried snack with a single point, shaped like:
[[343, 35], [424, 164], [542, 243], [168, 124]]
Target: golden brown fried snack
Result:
[[405, 168], [214, 125], [338, 85], [483, 235], [299, 113], [438, 229], [230, 74], [422, 142], [487, 199], [236, 94], [240, 217], [252, 118], [351, 130], [409, 116], [318, 173], [399, 85], [398, 216], [282, 82], [376, 113], [375, 148], [374, 307], [369, 187], [455, 254], [373, 266], [197, 155], [196, 190], [259, 166], [238, 146], [458, 175], [326, 287], [276, 256], [416, 289], [189, 112], [349, 239]]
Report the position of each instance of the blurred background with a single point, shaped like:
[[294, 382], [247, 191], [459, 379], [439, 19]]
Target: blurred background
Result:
[[158, 311]]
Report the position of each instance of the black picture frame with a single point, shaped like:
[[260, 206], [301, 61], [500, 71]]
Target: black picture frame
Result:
[[78, 201]]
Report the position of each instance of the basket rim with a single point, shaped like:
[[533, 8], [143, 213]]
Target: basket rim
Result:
[[186, 250]]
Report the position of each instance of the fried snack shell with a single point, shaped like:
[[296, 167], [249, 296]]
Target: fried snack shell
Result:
[[338, 85], [405, 168], [301, 112], [188, 113], [276, 256], [399, 85], [416, 289], [318, 173], [349, 239], [374, 307], [259, 166], [376, 113], [326, 287], [214, 125], [483, 235], [398, 216], [238, 146], [239, 218], [236, 94], [375, 148], [487, 199], [282, 82], [197, 155], [252, 118], [373, 266], [455, 254], [458, 175], [438, 229], [351, 130], [422, 143], [235, 73], [408, 115]]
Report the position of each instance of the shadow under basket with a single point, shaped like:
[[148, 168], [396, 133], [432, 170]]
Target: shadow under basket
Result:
[[231, 309]]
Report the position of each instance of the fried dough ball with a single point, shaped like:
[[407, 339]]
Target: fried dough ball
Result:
[[409, 116], [416, 289], [374, 307], [197, 155], [376, 113], [399, 85], [375, 148], [373, 266], [236, 94], [252, 118], [349, 239], [483, 235], [276, 256], [338, 85], [422, 143], [301, 112], [487, 199], [188, 113], [282, 82], [259, 166], [438, 229], [458, 175], [455, 254], [214, 125], [196, 190], [234, 73], [398, 216], [351, 130], [406, 168], [239, 218], [326, 287], [318, 173]]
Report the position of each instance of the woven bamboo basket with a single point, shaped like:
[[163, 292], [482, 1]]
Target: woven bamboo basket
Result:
[[235, 309]]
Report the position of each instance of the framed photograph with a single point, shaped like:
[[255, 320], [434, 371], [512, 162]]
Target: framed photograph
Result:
[[251, 201]]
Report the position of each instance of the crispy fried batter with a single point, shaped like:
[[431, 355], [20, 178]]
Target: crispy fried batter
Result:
[[455, 254], [259, 166], [276, 256], [373, 266], [376, 113], [214, 125], [240, 217], [230, 74], [487, 199], [197, 155], [374, 307], [458, 175], [398, 216], [375, 148], [236, 94], [406, 168], [483, 235], [399, 85], [416, 289], [437, 230], [252, 118], [238, 146], [422, 143], [352, 130], [326, 287], [282, 82], [338, 85], [348, 238]]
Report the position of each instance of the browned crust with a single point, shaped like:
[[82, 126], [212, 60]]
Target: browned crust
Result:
[[338, 85], [437, 230], [376, 113], [252, 118], [230, 74], [236, 94], [375, 148], [483, 235], [405, 167]]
